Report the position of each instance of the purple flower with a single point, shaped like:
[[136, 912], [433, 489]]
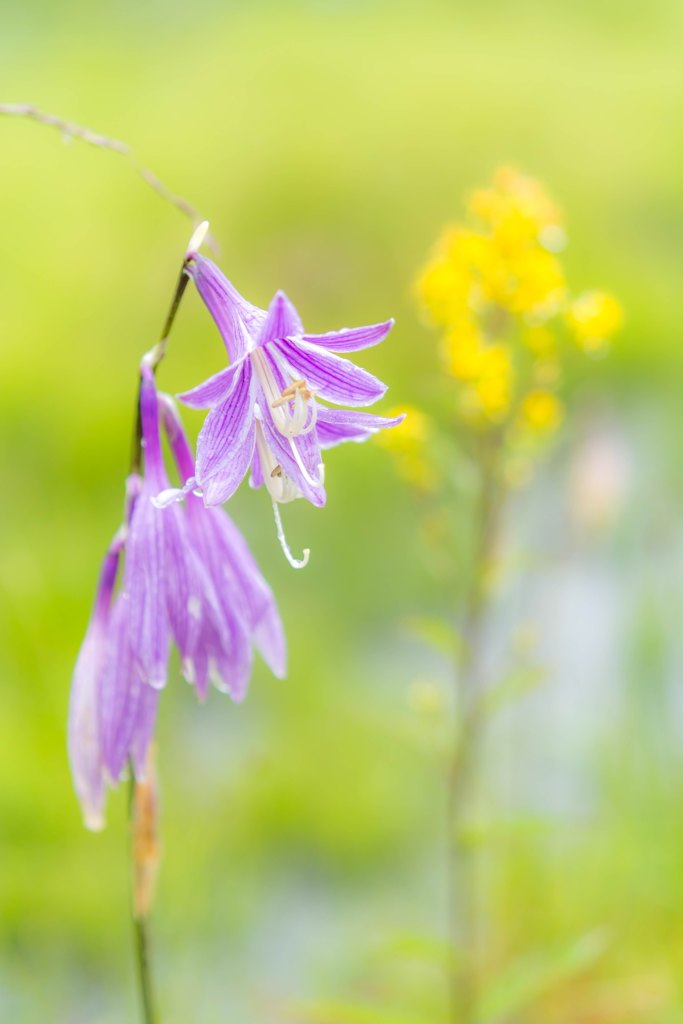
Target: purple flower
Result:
[[264, 408], [188, 577]]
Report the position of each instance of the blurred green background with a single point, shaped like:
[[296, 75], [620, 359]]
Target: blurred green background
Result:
[[303, 874]]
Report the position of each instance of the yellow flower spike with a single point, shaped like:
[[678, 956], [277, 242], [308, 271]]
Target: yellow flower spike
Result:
[[593, 318], [536, 283], [541, 411], [518, 210], [461, 349], [494, 386], [497, 289], [495, 396], [443, 289]]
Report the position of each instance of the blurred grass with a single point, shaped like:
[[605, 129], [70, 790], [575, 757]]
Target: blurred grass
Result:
[[327, 142]]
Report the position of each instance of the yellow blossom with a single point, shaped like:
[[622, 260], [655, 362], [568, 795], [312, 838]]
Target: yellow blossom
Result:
[[497, 289], [593, 318], [541, 411], [443, 288], [492, 390], [535, 283], [461, 349], [517, 209]]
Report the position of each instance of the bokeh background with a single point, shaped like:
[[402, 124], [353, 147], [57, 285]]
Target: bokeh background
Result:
[[303, 869]]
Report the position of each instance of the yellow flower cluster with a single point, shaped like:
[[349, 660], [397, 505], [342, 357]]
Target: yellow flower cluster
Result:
[[497, 290]]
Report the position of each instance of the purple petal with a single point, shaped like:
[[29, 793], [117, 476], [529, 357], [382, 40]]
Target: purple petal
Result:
[[84, 730], [226, 630], [84, 734], [185, 587], [256, 478], [226, 441], [236, 319], [236, 575], [151, 438], [334, 378], [144, 582], [213, 390], [350, 339], [334, 426], [121, 686], [281, 321], [148, 704]]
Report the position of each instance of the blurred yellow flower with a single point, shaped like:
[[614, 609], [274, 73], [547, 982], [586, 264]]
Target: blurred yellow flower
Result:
[[497, 290], [541, 411], [593, 318], [517, 209], [461, 349]]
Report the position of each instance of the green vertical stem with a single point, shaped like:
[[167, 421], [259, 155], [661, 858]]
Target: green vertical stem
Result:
[[462, 770], [142, 945]]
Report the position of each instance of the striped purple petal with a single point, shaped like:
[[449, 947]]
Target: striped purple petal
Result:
[[235, 572], [121, 685], [144, 581], [213, 390], [282, 320], [226, 441], [84, 729], [351, 339], [335, 426], [335, 379], [237, 320]]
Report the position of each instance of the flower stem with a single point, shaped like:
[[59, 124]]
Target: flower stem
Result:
[[144, 856], [467, 736], [142, 956], [153, 358]]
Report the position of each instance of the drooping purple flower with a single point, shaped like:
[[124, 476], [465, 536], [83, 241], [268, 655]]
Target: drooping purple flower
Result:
[[188, 577], [112, 711], [264, 408]]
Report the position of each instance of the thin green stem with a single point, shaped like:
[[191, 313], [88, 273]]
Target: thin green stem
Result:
[[142, 946], [463, 901], [142, 956], [153, 358]]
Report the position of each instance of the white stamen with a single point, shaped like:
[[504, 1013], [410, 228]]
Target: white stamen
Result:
[[296, 563], [288, 407], [314, 420], [198, 237], [270, 389]]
